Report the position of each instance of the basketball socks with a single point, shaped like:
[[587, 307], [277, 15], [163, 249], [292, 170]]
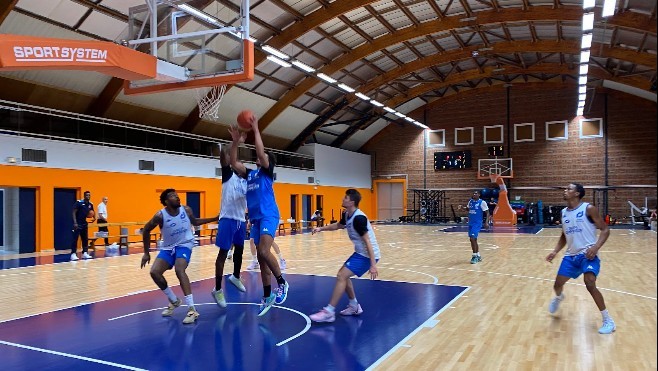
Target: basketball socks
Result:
[[267, 291], [189, 301], [606, 316], [354, 303], [170, 294], [280, 256], [280, 280], [330, 308]]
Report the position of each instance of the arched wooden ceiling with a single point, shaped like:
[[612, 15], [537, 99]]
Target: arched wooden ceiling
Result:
[[419, 49]]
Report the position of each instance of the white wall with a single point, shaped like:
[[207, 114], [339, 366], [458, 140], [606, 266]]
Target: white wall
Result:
[[11, 219], [339, 167], [66, 155]]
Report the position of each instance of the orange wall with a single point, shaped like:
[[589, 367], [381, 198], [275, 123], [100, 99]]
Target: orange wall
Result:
[[135, 197]]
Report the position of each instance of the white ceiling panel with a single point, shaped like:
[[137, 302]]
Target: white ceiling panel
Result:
[[64, 11], [84, 82], [180, 102], [290, 123], [122, 5], [20, 24], [237, 99], [104, 26], [361, 137]]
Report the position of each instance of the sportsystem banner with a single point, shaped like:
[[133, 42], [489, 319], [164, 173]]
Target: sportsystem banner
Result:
[[39, 53]]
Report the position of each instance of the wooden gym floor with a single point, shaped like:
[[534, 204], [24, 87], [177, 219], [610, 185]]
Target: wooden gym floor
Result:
[[500, 323]]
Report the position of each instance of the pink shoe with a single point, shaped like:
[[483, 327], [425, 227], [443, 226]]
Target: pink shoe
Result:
[[323, 316], [351, 311]]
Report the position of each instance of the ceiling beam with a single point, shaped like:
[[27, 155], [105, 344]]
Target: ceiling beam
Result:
[[6, 6], [572, 13]]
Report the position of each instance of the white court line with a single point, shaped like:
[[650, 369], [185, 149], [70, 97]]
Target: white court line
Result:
[[434, 278], [71, 356], [306, 318], [427, 323]]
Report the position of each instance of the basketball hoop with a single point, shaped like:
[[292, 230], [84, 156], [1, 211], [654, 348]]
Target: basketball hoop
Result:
[[209, 103], [494, 177]]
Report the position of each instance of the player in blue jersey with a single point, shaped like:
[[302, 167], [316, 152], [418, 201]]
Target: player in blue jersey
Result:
[[477, 213], [175, 222], [263, 213], [580, 220]]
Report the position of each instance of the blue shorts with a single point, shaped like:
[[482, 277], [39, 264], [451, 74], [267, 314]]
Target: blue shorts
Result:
[[358, 264], [474, 230], [574, 266], [178, 252], [263, 226], [230, 232]]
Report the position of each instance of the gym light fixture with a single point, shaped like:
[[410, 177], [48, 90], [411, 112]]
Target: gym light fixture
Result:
[[582, 80], [199, 14], [362, 96], [586, 42], [582, 89], [348, 89], [303, 66], [376, 103], [589, 4], [588, 21], [327, 78], [389, 109], [275, 52], [278, 61], [584, 56], [608, 8], [582, 97], [579, 111], [584, 68]]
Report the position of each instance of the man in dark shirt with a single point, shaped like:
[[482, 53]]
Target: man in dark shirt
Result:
[[80, 228]]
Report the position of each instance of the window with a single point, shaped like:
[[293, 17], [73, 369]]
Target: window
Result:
[[524, 132], [591, 128], [493, 134], [557, 130], [435, 138], [463, 136]]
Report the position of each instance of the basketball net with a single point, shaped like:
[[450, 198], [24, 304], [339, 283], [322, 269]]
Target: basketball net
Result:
[[209, 103]]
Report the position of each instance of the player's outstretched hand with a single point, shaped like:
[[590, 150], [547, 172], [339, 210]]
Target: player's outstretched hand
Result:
[[146, 258], [316, 230]]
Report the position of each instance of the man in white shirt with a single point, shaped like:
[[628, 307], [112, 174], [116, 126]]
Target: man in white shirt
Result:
[[102, 217]]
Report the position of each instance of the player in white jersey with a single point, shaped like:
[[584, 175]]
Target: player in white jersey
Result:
[[175, 222], [363, 260], [580, 221], [231, 230]]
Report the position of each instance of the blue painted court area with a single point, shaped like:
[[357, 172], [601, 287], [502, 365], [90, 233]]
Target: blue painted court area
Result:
[[130, 333], [523, 229]]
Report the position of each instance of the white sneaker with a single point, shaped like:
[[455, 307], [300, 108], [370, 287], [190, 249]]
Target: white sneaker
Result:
[[608, 327], [86, 256], [237, 282], [230, 255], [282, 264], [555, 303], [253, 265], [74, 257], [351, 311]]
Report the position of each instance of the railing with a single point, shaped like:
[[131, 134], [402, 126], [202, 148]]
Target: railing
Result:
[[25, 120]]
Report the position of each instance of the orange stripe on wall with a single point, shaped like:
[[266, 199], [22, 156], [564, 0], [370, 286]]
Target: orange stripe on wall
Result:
[[135, 197]]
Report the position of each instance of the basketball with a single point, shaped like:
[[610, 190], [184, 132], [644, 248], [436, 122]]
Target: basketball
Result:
[[91, 214], [244, 119]]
